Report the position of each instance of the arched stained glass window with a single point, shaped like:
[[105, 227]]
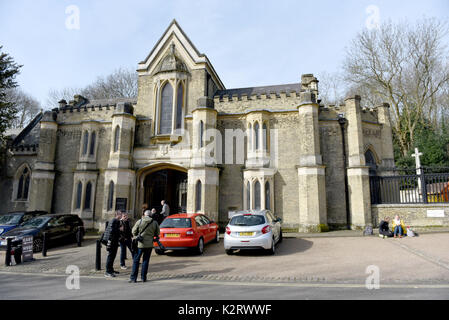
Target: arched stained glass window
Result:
[[248, 195], [165, 122], [116, 138], [179, 106], [93, 137], [201, 134], [24, 184], [111, 196], [256, 135], [257, 195], [87, 199], [198, 190], [264, 136], [79, 191], [267, 196], [85, 142]]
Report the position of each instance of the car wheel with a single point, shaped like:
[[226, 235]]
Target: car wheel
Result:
[[272, 250], [200, 246], [217, 237], [159, 251], [37, 245], [229, 252]]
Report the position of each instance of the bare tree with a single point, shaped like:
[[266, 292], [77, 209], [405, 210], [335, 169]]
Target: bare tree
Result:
[[122, 83], [27, 107], [405, 65], [331, 88]]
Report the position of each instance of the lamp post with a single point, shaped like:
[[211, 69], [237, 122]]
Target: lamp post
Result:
[[342, 121]]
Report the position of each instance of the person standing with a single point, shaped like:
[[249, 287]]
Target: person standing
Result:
[[144, 230], [112, 236], [157, 216], [144, 208], [165, 209], [125, 239]]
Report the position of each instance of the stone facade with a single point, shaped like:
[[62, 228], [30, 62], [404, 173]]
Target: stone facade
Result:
[[203, 147]]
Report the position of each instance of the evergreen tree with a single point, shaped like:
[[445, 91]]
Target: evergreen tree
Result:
[[8, 71]]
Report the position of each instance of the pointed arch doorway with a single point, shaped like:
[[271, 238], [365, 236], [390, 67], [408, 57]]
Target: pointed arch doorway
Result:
[[166, 184]]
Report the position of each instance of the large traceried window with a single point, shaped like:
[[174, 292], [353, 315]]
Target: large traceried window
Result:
[[166, 115], [24, 184], [179, 106]]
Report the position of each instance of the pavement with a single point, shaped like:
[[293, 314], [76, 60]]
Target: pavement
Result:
[[324, 260], [53, 287]]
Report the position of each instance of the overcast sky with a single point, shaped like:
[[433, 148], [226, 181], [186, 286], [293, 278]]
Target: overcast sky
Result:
[[250, 43]]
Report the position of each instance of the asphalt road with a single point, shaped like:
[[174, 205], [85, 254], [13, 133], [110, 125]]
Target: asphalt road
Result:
[[26, 286]]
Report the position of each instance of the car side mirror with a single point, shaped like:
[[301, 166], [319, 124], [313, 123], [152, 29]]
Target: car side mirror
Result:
[[278, 220]]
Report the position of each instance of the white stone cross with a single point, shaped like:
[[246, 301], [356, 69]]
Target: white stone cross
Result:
[[417, 156]]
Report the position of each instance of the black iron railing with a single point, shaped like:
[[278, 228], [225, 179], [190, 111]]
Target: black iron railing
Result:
[[401, 186]]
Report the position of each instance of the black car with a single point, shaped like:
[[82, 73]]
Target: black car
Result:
[[59, 229], [12, 220]]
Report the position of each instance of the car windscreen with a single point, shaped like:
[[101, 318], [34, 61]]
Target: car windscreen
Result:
[[10, 219], [36, 222], [176, 223], [247, 220]]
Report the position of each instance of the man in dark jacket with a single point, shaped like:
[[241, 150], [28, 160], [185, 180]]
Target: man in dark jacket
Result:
[[125, 239], [384, 228], [112, 236], [147, 229]]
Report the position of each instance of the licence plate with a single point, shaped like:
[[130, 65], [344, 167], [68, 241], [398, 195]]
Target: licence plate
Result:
[[172, 235], [246, 234]]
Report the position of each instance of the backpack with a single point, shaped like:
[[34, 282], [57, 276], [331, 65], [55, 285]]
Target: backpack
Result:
[[368, 231], [106, 236]]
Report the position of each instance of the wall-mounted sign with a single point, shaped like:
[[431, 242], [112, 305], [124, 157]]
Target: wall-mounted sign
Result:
[[435, 213], [27, 249], [120, 204]]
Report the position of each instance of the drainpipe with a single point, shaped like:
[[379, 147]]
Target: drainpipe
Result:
[[342, 121]]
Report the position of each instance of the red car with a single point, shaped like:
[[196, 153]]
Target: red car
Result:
[[187, 231]]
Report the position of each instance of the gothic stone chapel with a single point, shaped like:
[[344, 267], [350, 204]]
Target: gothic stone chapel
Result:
[[306, 162]]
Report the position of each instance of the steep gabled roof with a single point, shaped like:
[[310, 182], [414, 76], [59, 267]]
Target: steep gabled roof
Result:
[[196, 56], [30, 134]]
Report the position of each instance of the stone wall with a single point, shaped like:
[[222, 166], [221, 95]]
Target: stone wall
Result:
[[414, 215]]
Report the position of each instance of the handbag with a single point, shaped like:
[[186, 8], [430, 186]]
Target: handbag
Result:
[[139, 237]]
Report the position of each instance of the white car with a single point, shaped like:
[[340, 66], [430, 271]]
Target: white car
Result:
[[255, 229]]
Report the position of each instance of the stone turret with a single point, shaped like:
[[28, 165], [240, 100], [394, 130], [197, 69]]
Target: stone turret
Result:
[[43, 174], [311, 172]]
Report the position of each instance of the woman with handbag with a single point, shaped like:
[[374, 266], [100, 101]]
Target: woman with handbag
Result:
[[144, 232]]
